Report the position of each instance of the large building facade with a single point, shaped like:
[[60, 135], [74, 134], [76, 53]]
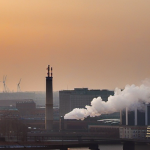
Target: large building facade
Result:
[[79, 98]]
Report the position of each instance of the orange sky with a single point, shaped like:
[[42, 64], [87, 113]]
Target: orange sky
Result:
[[100, 44]]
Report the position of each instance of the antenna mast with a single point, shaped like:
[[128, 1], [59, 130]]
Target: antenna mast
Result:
[[48, 71]]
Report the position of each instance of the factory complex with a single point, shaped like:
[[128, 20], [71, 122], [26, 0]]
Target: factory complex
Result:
[[31, 118]]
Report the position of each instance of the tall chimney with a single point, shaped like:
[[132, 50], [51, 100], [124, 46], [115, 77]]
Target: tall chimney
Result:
[[146, 115], [126, 115], [135, 117], [120, 117], [49, 100]]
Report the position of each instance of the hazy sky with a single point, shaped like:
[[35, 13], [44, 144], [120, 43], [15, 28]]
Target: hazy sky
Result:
[[99, 44]]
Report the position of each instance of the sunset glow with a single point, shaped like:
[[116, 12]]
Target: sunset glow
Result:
[[100, 44]]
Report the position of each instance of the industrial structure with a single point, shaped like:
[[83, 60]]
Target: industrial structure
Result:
[[79, 98], [136, 117], [22, 120], [49, 100], [26, 107]]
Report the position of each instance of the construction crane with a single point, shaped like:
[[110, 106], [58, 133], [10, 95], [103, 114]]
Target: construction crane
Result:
[[18, 86], [5, 90]]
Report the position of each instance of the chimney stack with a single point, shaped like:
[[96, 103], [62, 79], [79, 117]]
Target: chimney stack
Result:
[[49, 101]]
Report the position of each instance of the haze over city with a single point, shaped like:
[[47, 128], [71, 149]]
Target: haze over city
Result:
[[94, 44]]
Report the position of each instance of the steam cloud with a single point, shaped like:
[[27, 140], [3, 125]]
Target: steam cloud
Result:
[[131, 97]]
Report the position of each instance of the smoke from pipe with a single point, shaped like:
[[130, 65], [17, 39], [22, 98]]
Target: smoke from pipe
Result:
[[131, 97]]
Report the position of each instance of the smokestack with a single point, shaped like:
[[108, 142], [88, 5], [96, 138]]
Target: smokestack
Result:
[[49, 101], [61, 128], [135, 119], [146, 115], [126, 115], [131, 97], [120, 117]]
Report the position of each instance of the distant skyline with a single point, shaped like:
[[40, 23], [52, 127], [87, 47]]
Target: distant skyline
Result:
[[100, 44]]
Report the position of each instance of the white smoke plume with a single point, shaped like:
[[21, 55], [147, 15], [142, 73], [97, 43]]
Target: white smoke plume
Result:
[[131, 97]]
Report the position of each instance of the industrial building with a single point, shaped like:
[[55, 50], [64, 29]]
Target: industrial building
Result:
[[133, 132], [136, 117], [23, 115], [26, 107], [25, 110], [79, 98]]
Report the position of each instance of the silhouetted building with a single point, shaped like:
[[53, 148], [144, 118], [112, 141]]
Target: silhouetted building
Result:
[[79, 98]]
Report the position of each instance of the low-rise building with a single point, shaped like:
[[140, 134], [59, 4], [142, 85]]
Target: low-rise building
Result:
[[133, 132]]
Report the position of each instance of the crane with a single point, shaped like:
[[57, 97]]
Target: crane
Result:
[[4, 84], [18, 86]]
